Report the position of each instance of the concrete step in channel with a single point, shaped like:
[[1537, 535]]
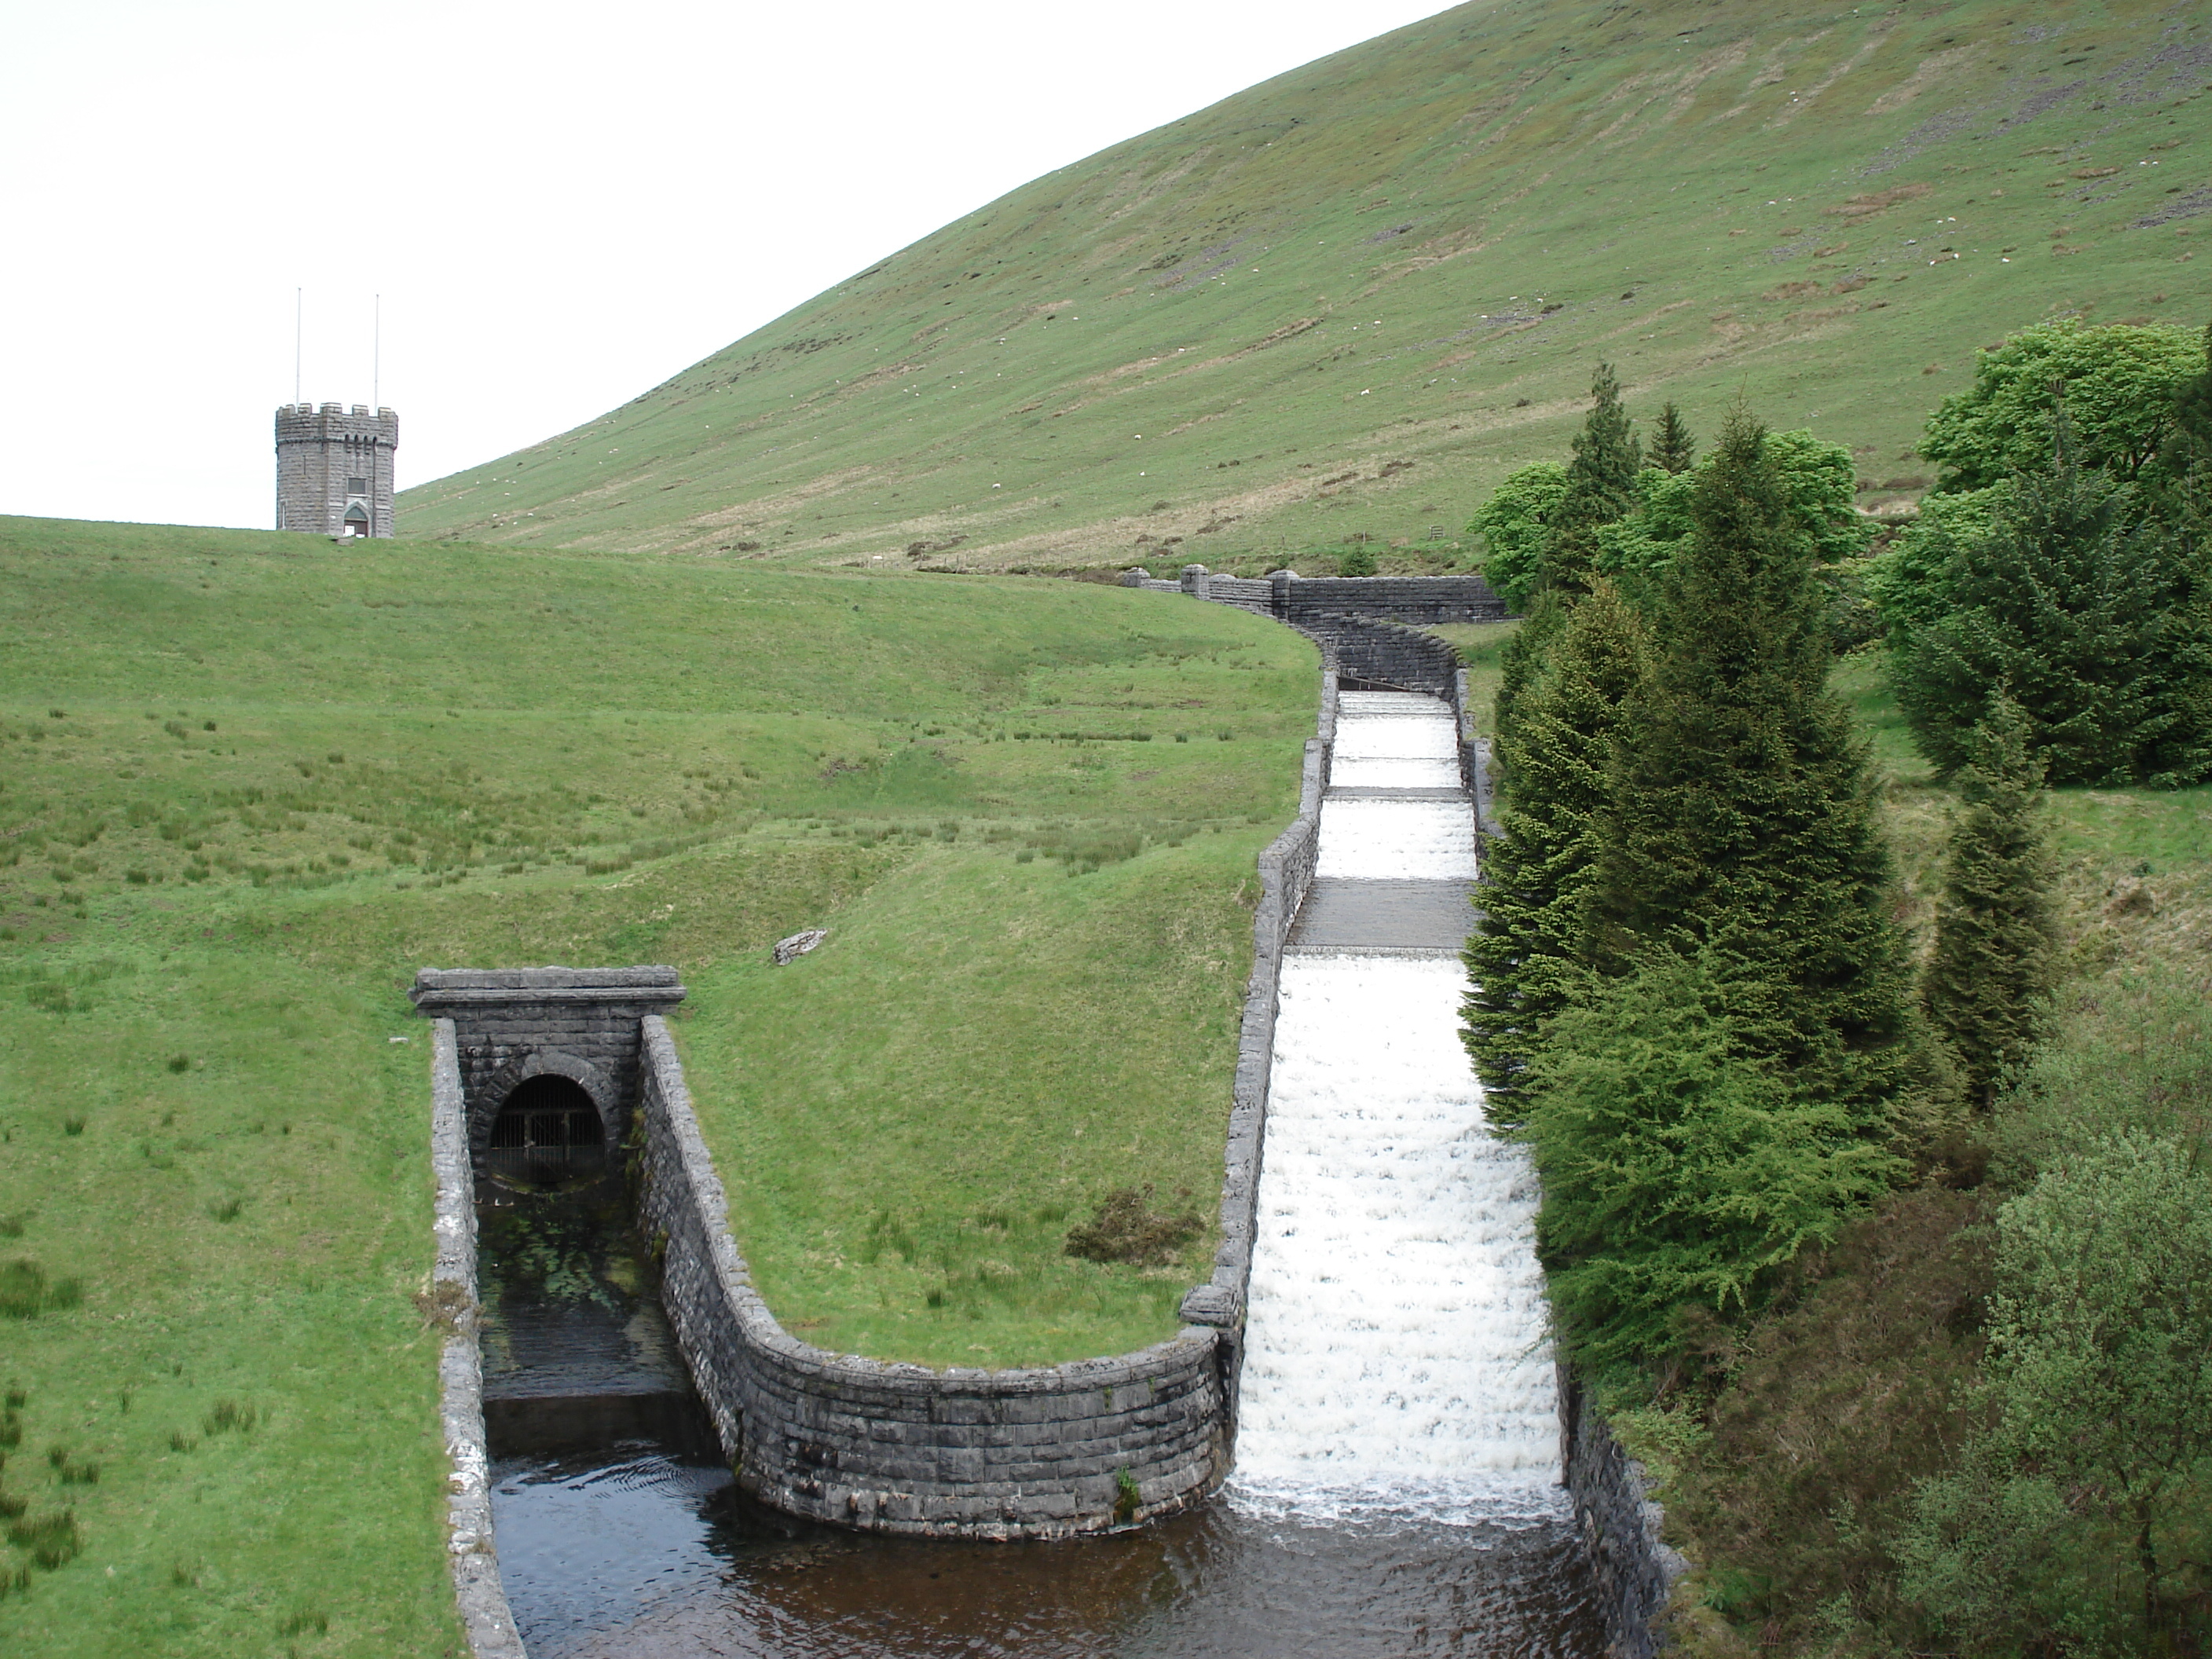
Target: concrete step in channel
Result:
[[1397, 867]]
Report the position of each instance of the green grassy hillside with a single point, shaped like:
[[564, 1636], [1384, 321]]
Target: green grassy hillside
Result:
[[1347, 300], [249, 782]]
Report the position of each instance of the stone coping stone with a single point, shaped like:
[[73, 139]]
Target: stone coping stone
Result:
[[546, 979], [645, 990]]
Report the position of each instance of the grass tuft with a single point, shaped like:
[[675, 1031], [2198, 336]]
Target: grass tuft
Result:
[[27, 1292], [229, 1416]]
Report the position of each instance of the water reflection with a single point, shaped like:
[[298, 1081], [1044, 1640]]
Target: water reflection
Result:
[[649, 1554]]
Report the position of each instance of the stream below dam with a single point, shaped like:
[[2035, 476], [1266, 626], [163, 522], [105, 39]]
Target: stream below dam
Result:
[[1396, 1485]]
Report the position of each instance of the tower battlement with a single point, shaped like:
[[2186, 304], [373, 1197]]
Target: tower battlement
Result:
[[334, 469]]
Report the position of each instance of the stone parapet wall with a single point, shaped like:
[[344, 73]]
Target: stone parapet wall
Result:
[[1426, 600], [1634, 1568], [1043, 1453], [487, 1621], [1286, 873], [1254, 595]]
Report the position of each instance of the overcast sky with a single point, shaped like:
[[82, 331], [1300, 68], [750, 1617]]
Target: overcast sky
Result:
[[560, 204]]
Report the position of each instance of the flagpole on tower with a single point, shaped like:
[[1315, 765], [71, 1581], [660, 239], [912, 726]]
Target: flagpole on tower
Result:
[[376, 353], [299, 309]]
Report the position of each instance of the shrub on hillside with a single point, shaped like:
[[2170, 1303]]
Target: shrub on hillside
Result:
[[2097, 1473], [1679, 1169], [1127, 1228]]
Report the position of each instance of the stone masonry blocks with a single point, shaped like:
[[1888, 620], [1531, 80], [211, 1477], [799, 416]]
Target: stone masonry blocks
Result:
[[997, 1454], [320, 454]]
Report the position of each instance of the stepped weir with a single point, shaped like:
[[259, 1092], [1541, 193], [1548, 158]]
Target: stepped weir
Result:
[[1395, 1363]]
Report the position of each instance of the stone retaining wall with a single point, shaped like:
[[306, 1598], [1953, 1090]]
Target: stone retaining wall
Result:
[[1634, 1568], [1044, 1453], [1385, 653], [1422, 600], [481, 1598], [1286, 872]]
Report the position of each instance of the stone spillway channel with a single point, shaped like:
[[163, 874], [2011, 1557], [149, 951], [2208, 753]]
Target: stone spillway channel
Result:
[[1396, 1365], [1395, 1484]]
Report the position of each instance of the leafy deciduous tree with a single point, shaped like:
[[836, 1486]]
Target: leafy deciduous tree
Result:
[[2100, 1369], [1818, 486], [1511, 525], [2120, 379]]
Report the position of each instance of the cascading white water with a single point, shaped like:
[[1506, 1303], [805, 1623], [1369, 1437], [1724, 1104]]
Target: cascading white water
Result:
[[1396, 1365]]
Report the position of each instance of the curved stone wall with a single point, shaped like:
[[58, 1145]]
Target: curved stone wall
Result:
[[1045, 1453]]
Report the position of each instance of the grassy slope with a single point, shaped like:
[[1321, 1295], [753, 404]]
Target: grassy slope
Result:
[[420, 756], [1408, 256]]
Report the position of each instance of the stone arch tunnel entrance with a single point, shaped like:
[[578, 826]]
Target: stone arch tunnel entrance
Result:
[[548, 1130]]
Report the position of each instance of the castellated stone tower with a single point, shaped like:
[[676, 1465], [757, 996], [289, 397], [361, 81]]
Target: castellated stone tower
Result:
[[334, 469]]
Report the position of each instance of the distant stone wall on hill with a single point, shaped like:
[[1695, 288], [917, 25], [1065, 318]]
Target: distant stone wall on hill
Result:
[[1424, 601]]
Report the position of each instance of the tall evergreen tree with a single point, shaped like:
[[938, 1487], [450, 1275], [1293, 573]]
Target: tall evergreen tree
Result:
[[2096, 615], [1519, 666], [1673, 448], [1742, 810], [1525, 958], [1601, 485], [1995, 955]]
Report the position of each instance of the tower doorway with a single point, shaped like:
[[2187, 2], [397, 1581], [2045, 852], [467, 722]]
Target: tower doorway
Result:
[[548, 1132]]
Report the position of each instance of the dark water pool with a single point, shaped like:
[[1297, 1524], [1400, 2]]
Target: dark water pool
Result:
[[620, 1533]]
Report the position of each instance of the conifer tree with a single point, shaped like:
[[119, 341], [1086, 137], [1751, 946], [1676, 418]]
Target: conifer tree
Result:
[[1742, 810], [1519, 666], [2094, 613], [1995, 955], [1601, 485], [1524, 958], [1673, 448]]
